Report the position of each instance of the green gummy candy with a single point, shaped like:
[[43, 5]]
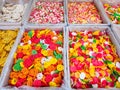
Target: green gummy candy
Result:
[[94, 41], [17, 67], [30, 33], [56, 71], [44, 47], [91, 57], [34, 52], [107, 62], [118, 19], [59, 42], [19, 60], [54, 53], [83, 47], [59, 56]]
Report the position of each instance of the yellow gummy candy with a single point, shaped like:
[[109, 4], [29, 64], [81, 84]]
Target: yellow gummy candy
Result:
[[117, 84], [60, 67], [53, 84], [77, 45], [92, 71], [106, 5], [111, 66], [46, 64], [13, 81], [53, 60], [44, 52], [71, 50], [77, 74], [96, 32], [75, 54], [80, 58]]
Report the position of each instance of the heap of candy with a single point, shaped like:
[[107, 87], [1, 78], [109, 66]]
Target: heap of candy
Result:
[[7, 38], [38, 59], [83, 13], [113, 12], [47, 12], [93, 60], [12, 13]]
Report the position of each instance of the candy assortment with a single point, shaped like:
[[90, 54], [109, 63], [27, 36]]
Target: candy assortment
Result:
[[47, 13], [113, 12], [83, 13], [7, 39], [93, 59], [38, 60], [12, 12]]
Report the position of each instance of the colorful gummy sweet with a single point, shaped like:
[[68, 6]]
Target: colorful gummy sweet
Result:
[[113, 12], [93, 59], [38, 59], [83, 13], [47, 13]]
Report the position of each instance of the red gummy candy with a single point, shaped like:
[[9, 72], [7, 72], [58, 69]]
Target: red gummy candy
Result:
[[73, 68], [80, 66], [37, 83], [99, 55], [104, 83], [20, 82], [34, 39], [48, 78], [20, 55], [52, 46], [111, 84], [55, 75], [78, 85], [27, 62]]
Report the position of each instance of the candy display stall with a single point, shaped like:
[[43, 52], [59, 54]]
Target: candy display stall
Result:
[[59, 45]]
